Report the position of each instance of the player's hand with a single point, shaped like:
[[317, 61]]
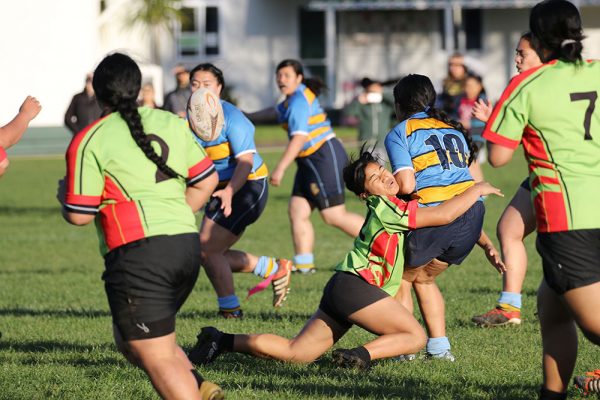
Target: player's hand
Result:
[[494, 258], [30, 108], [482, 110], [225, 195], [61, 191], [485, 189], [276, 177]]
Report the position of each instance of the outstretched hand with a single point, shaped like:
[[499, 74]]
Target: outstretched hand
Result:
[[486, 189], [482, 109], [494, 258], [30, 108]]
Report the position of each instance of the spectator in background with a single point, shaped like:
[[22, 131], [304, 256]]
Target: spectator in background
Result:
[[373, 108], [147, 96], [176, 100], [473, 92], [453, 85], [84, 108]]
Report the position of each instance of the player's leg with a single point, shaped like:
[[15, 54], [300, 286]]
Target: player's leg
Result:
[[399, 332], [517, 221], [404, 295], [339, 217], [214, 241], [559, 340], [303, 234]]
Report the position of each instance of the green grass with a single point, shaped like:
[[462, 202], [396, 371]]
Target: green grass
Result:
[[56, 328]]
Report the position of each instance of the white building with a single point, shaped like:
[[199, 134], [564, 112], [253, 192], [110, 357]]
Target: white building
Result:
[[48, 46]]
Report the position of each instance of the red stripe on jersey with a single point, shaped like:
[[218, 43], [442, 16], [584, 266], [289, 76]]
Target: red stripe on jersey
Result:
[[551, 212], [199, 168], [72, 156], [384, 246], [80, 200], [413, 205], [544, 179], [2, 154], [512, 86], [367, 275], [121, 224], [533, 144], [501, 140], [538, 164], [112, 191]]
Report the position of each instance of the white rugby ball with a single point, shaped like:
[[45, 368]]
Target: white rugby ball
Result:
[[205, 114]]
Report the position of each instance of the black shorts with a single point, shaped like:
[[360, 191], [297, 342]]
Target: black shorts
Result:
[[570, 258], [246, 206], [525, 185], [319, 178], [147, 282], [450, 243], [346, 293]]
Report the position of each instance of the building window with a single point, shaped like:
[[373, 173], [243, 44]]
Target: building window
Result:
[[472, 26], [199, 32], [312, 42]]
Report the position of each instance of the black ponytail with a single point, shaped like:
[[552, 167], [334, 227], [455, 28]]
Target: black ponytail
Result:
[[354, 172], [315, 84], [117, 81], [557, 31], [415, 93]]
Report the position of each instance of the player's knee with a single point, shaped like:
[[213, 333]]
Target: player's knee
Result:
[[424, 278], [507, 233], [419, 338]]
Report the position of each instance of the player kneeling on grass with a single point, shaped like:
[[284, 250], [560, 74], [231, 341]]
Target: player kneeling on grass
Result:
[[361, 290]]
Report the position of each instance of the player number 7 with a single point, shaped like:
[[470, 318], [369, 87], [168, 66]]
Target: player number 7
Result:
[[587, 121]]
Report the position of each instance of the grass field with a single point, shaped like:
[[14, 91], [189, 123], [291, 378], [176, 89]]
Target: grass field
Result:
[[56, 331]]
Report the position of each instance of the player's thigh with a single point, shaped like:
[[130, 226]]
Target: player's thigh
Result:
[[384, 317], [584, 303], [299, 208], [518, 219], [214, 238]]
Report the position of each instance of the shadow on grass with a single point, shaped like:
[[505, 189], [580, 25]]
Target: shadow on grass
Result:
[[354, 384], [28, 312], [290, 315]]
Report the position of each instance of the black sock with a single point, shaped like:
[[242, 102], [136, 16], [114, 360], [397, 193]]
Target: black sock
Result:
[[226, 342], [546, 394], [363, 354], [198, 377]]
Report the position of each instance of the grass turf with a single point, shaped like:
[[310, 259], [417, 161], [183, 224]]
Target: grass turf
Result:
[[56, 330]]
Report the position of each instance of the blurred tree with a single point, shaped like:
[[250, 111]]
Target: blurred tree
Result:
[[157, 17]]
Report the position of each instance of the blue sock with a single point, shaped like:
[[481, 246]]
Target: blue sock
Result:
[[304, 262], [514, 299], [438, 345], [229, 302], [265, 267]]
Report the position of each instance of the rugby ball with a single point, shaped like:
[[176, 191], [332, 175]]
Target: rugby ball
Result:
[[205, 114]]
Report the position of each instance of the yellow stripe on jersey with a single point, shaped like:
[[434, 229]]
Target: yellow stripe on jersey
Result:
[[440, 193], [315, 133], [317, 119], [425, 123], [310, 96], [261, 172], [315, 147], [219, 151], [425, 161]]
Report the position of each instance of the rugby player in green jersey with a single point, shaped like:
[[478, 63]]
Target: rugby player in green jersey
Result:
[[552, 110], [140, 175], [362, 289]]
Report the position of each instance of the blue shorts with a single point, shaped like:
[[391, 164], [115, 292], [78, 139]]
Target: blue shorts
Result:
[[525, 185], [246, 206], [450, 243], [319, 177]]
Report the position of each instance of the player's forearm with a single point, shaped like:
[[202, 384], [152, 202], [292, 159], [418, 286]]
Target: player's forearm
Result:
[[240, 174], [267, 115], [449, 210], [11, 133], [291, 152], [197, 195]]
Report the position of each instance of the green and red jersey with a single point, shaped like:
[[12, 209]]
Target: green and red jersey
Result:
[[109, 175], [552, 110], [378, 255]]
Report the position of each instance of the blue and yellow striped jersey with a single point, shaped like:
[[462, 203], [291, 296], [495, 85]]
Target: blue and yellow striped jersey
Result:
[[301, 114], [236, 139], [437, 153]]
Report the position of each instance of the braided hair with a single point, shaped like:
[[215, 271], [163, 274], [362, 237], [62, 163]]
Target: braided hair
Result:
[[117, 81], [415, 93]]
